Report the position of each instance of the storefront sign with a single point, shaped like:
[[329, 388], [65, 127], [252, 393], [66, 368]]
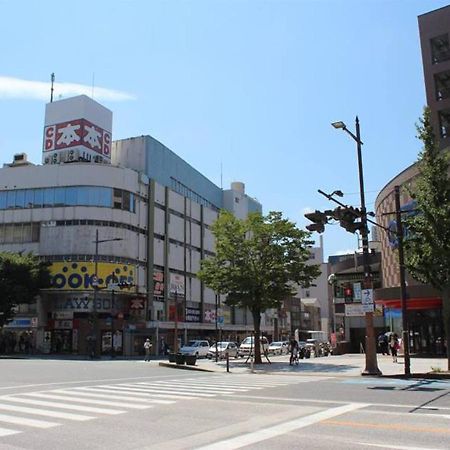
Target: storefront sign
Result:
[[86, 304], [158, 284], [19, 323], [176, 284], [63, 324], [209, 316], [354, 310], [192, 314], [61, 315], [66, 276]]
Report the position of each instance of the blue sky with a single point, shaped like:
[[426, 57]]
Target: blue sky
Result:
[[249, 86]]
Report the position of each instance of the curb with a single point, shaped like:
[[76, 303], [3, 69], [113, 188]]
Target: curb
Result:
[[184, 367]]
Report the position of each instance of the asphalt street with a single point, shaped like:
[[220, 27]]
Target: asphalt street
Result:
[[59, 404]]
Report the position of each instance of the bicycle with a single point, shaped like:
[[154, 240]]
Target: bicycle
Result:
[[294, 359]]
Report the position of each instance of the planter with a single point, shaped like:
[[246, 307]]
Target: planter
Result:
[[180, 359], [190, 360], [172, 357]]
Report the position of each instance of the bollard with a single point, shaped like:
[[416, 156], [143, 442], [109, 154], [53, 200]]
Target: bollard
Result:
[[228, 361]]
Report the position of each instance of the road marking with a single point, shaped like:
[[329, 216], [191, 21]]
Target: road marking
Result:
[[396, 447], [158, 390], [93, 394], [283, 428], [137, 392], [45, 412], [6, 432], [60, 383], [193, 388], [27, 422], [63, 405], [387, 426], [69, 398], [205, 387]]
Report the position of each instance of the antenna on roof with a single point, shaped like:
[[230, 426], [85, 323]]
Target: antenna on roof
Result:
[[52, 78]]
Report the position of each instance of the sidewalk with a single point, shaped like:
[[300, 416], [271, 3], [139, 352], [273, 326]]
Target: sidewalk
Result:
[[349, 365]]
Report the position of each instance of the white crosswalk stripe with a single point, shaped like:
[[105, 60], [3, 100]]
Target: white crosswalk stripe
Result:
[[6, 432], [84, 403]]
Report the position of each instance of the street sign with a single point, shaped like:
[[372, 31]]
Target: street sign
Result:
[[367, 300]]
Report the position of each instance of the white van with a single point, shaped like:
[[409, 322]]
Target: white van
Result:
[[247, 346]]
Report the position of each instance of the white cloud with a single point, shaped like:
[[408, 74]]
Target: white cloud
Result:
[[38, 90]]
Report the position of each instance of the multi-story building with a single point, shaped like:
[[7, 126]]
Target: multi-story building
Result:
[[125, 225], [424, 304]]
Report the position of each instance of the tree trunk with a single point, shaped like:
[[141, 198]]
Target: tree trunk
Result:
[[257, 324], [446, 318]]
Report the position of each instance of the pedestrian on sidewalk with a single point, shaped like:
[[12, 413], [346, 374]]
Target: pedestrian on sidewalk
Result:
[[394, 346], [147, 348]]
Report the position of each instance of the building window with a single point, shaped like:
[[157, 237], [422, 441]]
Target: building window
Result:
[[68, 196], [307, 294], [440, 49], [444, 123], [442, 84]]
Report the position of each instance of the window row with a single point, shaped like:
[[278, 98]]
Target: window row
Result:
[[183, 190], [19, 233], [440, 49], [444, 123], [68, 196]]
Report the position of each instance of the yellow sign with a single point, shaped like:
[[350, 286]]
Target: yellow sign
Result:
[[77, 276]]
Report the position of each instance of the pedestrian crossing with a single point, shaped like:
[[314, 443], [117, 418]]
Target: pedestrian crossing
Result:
[[55, 407]]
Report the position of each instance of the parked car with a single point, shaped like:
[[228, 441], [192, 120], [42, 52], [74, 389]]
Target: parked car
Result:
[[247, 346], [278, 348], [196, 348], [222, 349]]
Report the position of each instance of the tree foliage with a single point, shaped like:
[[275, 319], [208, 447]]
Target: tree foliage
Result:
[[21, 277], [427, 248], [258, 263]]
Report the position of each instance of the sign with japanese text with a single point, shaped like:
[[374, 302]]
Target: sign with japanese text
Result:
[[158, 284], [192, 314], [77, 133], [367, 300], [354, 310]]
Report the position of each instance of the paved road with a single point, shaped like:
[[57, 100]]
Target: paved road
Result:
[[136, 405]]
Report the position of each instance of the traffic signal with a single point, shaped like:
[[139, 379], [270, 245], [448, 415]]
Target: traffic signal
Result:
[[348, 293], [319, 220], [347, 218]]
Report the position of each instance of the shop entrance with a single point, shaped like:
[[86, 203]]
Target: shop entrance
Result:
[[426, 330], [62, 341]]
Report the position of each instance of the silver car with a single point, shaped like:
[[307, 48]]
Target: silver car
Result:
[[222, 349]]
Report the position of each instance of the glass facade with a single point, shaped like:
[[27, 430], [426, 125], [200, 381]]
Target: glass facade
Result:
[[68, 196]]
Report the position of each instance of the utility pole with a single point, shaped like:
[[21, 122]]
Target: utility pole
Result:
[[371, 351], [401, 261]]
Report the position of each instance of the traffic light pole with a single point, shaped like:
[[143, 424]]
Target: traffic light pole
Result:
[[371, 350]]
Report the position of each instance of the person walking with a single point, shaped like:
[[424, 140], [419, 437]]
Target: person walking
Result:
[[293, 348], [394, 346], [147, 348]]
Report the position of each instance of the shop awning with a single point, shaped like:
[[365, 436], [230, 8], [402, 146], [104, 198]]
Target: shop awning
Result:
[[414, 303]]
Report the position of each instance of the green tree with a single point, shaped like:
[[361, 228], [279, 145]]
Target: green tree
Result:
[[21, 277], [427, 247], [258, 263]]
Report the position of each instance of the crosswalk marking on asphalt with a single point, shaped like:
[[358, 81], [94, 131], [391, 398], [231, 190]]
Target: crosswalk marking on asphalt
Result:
[[90, 402], [27, 422], [6, 432], [44, 412], [61, 405]]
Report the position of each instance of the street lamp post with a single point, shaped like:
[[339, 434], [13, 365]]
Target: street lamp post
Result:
[[371, 351], [96, 289]]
